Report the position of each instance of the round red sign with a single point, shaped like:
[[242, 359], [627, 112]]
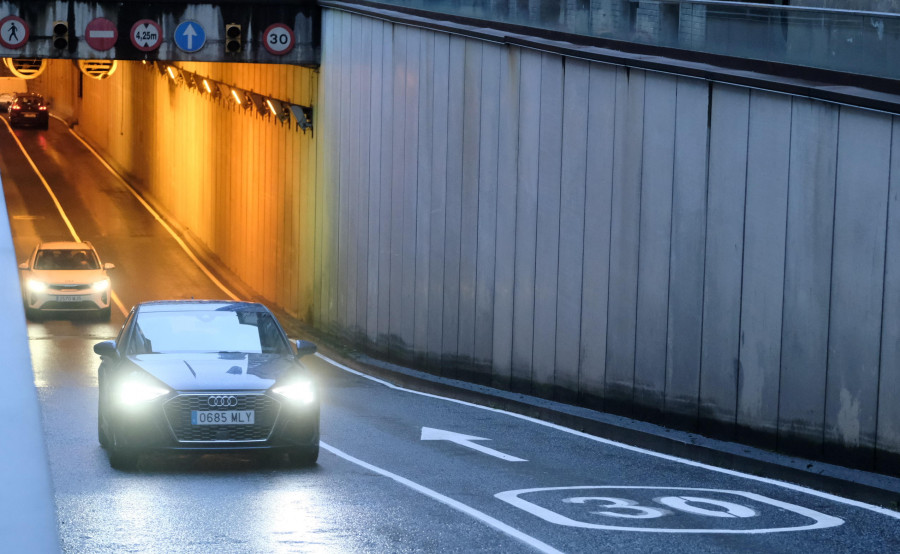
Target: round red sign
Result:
[[13, 32], [101, 34], [146, 35], [279, 39]]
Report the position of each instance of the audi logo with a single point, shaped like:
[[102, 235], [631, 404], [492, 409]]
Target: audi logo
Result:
[[222, 401]]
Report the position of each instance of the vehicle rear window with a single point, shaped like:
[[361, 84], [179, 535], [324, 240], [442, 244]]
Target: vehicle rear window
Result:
[[30, 102], [66, 259], [207, 331]]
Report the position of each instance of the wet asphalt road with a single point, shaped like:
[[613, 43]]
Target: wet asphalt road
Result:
[[399, 471]]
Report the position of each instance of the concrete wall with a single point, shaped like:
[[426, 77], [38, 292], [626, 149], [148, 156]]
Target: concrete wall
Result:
[[698, 254], [239, 184]]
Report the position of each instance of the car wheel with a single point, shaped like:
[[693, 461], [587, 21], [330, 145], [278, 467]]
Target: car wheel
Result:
[[101, 434], [46, 125], [124, 459], [304, 457], [33, 314], [104, 314]]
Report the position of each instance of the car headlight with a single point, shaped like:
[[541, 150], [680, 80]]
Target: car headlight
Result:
[[300, 392], [100, 286], [134, 392], [36, 286]]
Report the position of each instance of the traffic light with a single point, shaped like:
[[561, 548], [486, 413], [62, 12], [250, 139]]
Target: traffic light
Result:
[[232, 38], [60, 35]]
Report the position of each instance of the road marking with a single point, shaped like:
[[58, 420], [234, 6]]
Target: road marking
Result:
[[455, 504], [429, 434], [733, 473], [620, 510], [59, 208]]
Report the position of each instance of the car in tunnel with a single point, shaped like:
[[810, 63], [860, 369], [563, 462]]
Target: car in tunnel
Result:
[[65, 277], [28, 109], [205, 376]]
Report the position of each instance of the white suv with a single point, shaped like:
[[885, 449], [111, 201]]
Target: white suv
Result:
[[65, 277]]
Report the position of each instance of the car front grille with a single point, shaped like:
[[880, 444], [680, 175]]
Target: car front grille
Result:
[[178, 412], [68, 287]]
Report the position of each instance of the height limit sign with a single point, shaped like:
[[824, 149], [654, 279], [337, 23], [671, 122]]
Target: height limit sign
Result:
[[146, 35]]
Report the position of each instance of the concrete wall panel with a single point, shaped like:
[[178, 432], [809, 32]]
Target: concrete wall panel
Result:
[[888, 417], [657, 174], [720, 362], [857, 286], [765, 212], [526, 219], [807, 279], [548, 204], [689, 194], [624, 239], [602, 100], [571, 228]]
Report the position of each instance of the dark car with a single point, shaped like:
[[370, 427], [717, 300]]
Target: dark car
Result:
[[29, 109], [205, 376]]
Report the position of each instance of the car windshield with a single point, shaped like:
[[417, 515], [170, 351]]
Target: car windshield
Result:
[[66, 259], [207, 331]]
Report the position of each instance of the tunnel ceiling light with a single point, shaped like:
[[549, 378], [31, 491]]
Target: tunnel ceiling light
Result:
[[236, 96], [207, 87], [271, 106]]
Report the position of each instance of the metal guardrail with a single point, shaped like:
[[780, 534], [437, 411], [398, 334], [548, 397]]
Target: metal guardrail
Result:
[[862, 43]]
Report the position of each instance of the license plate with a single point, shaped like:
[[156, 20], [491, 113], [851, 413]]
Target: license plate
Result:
[[222, 417], [30, 115], [69, 298]]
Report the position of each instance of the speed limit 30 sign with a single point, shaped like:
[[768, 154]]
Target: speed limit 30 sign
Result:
[[279, 39]]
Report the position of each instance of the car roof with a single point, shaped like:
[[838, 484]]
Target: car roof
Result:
[[199, 306], [65, 245]]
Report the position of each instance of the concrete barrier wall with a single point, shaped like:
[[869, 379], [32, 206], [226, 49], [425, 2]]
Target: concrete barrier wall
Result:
[[27, 510], [698, 254]]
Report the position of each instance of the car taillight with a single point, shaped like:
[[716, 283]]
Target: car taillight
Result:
[[43, 108], [14, 107]]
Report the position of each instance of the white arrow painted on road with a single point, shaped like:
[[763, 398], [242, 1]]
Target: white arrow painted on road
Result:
[[429, 434]]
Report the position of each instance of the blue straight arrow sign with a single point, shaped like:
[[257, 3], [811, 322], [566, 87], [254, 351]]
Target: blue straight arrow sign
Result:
[[190, 36]]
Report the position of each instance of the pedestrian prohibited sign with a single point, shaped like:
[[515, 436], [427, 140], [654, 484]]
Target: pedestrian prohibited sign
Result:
[[146, 35], [13, 32]]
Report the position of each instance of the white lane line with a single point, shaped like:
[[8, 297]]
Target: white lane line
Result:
[[156, 216], [455, 504], [37, 172], [59, 208], [790, 486]]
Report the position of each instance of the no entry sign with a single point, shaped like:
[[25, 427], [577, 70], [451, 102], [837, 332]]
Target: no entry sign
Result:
[[101, 34]]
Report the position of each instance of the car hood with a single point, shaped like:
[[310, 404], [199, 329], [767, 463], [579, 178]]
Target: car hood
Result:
[[225, 371], [67, 277]]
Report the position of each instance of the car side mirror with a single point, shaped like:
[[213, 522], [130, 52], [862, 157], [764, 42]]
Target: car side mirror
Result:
[[23, 265], [304, 347], [106, 348], [109, 266]]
